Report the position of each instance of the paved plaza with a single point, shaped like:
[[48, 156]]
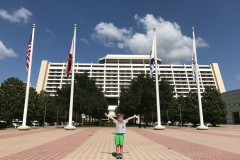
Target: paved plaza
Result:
[[173, 143]]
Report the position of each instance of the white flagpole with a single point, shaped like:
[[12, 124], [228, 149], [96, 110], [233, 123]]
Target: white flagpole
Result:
[[70, 126], [159, 126], [201, 127], [24, 127]]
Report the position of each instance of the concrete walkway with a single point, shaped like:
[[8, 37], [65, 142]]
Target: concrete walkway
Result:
[[173, 143]]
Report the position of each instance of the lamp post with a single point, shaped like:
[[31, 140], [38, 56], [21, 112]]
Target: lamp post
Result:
[[65, 119], [44, 116], [83, 117], [167, 118], [152, 117], [179, 107], [76, 120], [57, 119], [232, 117]]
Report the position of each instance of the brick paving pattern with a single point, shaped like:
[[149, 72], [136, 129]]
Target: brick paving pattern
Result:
[[216, 134], [101, 146], [218, 142], [55, 149], [17, 144], [22, 133], [173, 143], [189, 149]]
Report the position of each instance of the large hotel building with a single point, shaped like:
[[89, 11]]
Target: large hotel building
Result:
[[116, 71]]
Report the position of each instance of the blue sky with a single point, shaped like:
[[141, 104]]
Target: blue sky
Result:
[[120, 27]]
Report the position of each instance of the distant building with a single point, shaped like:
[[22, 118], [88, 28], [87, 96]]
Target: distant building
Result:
[[116, 71], [232, 100]]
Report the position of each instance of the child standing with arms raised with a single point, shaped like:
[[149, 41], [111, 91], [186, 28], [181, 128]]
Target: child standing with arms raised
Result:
[[120, 131]]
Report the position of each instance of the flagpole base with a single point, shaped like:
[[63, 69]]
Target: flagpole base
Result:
[[202, 128], [22, 128], [70, 127], [159, 127]]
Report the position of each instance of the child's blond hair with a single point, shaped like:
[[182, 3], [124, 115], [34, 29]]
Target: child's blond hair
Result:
[[120, 115]]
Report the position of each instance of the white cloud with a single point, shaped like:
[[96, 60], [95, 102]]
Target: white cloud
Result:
[[19, 15], [5, 52], [85, 41], [172, 45], [51, 33], [107, 34], [238, 77]]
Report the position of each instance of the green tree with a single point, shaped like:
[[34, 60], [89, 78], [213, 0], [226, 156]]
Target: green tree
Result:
[[88, 98], [166, 98], [190, 109], [139, 98], [12, 99], [214, 108], [173, 110], [1, 105], [45, 100], [33, 109], [126, 104], [148, 98], [99, 103], [62, 99]]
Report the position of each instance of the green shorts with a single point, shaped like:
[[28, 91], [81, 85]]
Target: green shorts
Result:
[[119, 138]]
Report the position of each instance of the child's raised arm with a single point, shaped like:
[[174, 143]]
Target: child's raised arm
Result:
[[109, 116], [132, 117]]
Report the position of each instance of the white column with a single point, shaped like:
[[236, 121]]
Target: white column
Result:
[[70, 126], [24, 127], [104, 78], [159, 126], [201, 127], [118, 88]]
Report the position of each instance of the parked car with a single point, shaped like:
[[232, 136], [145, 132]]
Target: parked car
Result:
[[35, 123], [176, 123], [1, 121], [168, 123], [16, 123], [187, 124], [151, 124]]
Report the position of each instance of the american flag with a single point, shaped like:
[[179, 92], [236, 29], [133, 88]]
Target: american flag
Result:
[[28, 54]]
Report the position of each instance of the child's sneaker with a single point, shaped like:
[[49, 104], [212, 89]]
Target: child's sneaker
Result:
[[120, 156], [117, 156]]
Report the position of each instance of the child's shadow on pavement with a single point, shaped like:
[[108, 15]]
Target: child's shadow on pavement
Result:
[[114, 154]]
